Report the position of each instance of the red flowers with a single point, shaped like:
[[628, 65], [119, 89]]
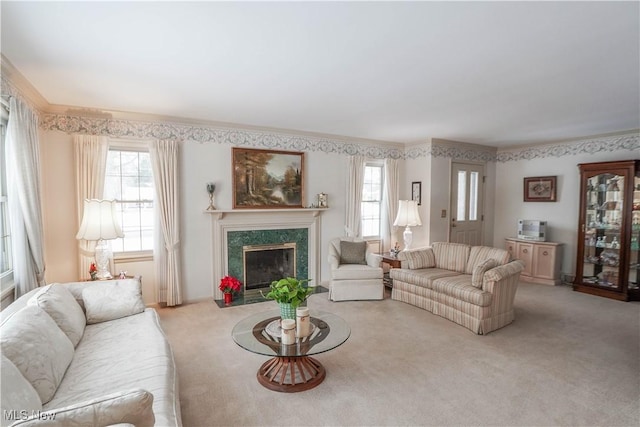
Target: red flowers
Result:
[[93, 270], [229, 284]]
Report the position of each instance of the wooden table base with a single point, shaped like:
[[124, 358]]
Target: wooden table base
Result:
[[291, 374]]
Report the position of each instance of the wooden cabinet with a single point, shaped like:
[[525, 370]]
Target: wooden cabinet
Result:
[[542, 260], [608, 260]]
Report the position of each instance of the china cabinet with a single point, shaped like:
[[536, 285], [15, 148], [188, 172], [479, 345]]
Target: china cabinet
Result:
[[608, 260]]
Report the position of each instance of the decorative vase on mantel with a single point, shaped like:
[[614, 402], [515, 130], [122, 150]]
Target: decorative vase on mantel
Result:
[[228, 298], [287, 310]]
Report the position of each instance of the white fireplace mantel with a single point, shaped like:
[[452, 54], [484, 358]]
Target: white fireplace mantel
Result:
[[224, 221], [221, 213]]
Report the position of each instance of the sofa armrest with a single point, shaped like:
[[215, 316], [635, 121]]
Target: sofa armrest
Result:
[[334, 260], [502, 272], [373, 260], [130, 407], [502, 283]]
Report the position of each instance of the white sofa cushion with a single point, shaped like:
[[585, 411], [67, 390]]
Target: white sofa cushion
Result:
[[17, 395], [38, 348], [131, 407], [58, 302], [451, 256], [127, 353], [113, 300], [480, 269], [419, 258], [479, 254]]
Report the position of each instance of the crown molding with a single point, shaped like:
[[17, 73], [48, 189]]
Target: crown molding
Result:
[[13, 83]]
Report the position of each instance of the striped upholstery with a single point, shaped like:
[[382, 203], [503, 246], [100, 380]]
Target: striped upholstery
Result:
[[423, 277], [445, 292], [420, 258], [460, 287], [479, 254], [478, 271], [418, 296], [451, 256]]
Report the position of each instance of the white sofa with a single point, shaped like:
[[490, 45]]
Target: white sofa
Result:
[[86, 353], [356, 275], [474, 286]]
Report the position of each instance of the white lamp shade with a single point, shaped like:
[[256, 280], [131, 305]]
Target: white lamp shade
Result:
[[99, 221], [407, 214]]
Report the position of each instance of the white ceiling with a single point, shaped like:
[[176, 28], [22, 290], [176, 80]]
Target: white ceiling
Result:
[[499, 74]]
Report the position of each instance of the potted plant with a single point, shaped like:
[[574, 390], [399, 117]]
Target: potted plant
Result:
[[289, 293], [228, 285]]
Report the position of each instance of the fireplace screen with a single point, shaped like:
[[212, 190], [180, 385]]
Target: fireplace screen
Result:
[[263, 264]]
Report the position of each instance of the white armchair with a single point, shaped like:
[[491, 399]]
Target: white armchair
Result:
[[355, 271]]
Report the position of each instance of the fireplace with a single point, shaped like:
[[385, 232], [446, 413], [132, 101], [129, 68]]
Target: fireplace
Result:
[[234, 229], [262, 264]]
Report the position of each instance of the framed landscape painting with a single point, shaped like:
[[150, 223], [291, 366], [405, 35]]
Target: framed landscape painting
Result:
[[540, 189], [267, 179]]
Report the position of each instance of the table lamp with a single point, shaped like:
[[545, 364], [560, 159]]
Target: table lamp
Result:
[[99, 223], [408, 216]]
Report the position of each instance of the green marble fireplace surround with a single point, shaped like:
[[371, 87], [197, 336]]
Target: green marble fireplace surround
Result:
[[237, 239]]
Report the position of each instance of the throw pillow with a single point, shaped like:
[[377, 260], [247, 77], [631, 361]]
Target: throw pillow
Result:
[[480, 269], [132, 407], [113, 300], [420, 258], [58, 302], [33, 342], [353, 252], [17, 394]]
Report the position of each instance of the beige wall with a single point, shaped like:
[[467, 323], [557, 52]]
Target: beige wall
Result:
[[61, 222]]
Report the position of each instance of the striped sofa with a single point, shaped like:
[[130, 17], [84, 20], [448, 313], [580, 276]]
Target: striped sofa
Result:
[[473, 286]]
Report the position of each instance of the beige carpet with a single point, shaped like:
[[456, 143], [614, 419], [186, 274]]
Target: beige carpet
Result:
[[569, 359]]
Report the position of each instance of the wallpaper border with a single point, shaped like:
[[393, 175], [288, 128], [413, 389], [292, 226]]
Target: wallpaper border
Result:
[[119, 128], [278, 140], [594, 145]]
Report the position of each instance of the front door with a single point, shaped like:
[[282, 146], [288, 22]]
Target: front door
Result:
[[466, 203]]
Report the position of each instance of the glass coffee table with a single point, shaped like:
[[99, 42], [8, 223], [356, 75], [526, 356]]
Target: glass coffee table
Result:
[[291, 369]]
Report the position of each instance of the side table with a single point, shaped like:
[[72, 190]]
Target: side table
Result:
[[394, 262]]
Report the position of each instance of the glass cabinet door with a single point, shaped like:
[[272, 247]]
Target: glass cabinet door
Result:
[[634, 241], [603, 225]]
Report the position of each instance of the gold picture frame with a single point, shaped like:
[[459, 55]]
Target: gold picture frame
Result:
[[267, 179]]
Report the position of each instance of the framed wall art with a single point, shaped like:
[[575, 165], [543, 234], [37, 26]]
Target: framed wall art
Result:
[[267, 179], [416, 191], [540, 189]]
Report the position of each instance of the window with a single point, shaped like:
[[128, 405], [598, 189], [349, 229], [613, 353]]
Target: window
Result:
[[372, 200], [129, 182], [6, 262]]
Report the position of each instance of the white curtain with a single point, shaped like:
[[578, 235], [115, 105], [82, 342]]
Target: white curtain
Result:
[[90, 155], [355, 176], [390, 197], [25, 209], [164, 162]]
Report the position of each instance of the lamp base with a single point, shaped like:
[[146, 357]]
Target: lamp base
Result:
[[103, 255], [408, 238]]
